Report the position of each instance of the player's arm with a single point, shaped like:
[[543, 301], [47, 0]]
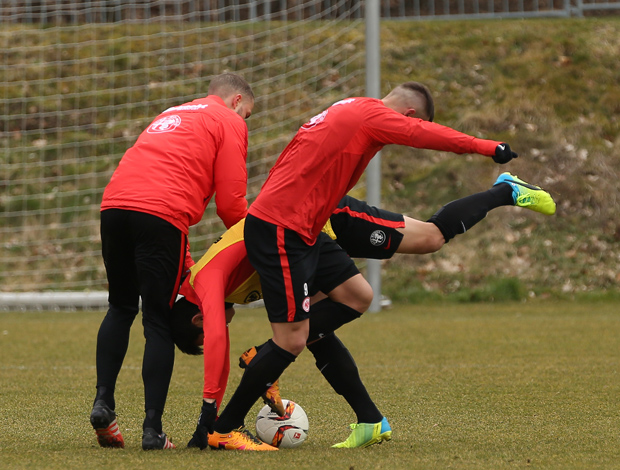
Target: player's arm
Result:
[[431, 135], [230, 174], [391, 127], [229, 313], [209, 287], [214, 277]]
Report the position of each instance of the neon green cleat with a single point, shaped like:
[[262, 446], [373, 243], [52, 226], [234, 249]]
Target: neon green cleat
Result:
[[528, 195], [366, 434]]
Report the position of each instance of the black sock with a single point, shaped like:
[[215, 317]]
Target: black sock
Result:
[[107, 395], [242, 363], [153, 420], [338, 367], [260, 373], [259, 347], [459, 216], [327, 316]]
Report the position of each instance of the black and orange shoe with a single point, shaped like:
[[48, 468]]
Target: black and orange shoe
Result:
[[103, 420], [152, 440]]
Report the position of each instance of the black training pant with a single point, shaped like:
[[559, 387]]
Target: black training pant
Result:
[[144, 257]]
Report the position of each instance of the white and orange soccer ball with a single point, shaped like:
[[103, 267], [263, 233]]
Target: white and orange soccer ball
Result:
[[285, 432]]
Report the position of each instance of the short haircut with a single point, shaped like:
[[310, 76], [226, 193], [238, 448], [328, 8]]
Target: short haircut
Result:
[[184, 332], [425, 93], [227, 84]]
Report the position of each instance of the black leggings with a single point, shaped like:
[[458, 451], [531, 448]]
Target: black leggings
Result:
[[144, 257]]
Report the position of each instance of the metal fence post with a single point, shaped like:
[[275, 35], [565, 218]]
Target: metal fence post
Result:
[[373, 172]]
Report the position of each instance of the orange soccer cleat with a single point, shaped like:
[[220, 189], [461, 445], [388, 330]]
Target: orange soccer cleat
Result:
[[237, 439]]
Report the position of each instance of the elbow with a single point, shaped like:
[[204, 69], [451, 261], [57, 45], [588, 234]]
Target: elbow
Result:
[[232, 214]]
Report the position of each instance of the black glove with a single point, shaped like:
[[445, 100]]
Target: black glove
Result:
[[200, 438], [503, 154], [206, 422]]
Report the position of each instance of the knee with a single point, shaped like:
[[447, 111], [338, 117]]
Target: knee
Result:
[[297, 346], [433, 239], [294, 344], [291, 339], [366, 299], [435, 242], [361, 302], [420, 238]]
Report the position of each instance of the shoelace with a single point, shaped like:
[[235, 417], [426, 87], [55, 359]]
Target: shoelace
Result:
[[529, 199], [250, 436]]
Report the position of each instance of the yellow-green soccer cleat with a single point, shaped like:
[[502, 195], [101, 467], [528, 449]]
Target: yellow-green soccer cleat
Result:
[[366, 434], [528, 195]]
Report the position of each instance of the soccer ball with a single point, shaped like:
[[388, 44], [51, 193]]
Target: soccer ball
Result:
[[285, 432]]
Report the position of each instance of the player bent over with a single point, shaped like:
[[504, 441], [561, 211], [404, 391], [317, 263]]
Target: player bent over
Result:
[[352, 224], [224, 273]]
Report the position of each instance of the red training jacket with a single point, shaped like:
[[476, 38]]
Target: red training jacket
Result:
[[330, 152], [187, 154]]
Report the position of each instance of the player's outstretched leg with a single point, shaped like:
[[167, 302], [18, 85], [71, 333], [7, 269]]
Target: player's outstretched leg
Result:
[[367, 434], [528, 195], [238, 439], [460, 215], [103, 420], [272, 396]]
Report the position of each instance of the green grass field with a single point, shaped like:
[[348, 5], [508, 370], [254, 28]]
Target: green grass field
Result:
[[480, 386]]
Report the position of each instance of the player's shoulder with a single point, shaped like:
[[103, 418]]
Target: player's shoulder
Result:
[[353, 110], [362, 107], [206, 105], [216, 112], [356, 102], [194, 106]]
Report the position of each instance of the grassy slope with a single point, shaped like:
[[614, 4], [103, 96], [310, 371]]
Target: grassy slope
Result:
[[548, 87]]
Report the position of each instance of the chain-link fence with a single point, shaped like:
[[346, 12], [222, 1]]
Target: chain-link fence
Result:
[[111, 11]]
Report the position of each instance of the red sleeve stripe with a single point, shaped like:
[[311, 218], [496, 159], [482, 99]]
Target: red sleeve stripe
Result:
[[370, 218]]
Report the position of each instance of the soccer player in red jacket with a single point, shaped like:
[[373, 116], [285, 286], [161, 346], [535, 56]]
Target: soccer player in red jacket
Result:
[[160, 188], [315, 171]]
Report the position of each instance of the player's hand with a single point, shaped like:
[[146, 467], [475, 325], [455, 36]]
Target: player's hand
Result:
[[200, 438], [206, 423], [503, 154]]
